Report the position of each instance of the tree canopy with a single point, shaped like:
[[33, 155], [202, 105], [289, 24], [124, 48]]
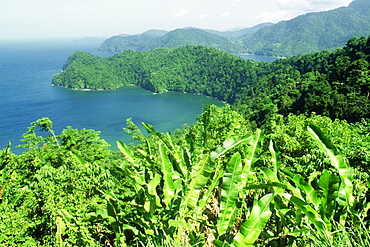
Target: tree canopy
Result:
[[334, 84]]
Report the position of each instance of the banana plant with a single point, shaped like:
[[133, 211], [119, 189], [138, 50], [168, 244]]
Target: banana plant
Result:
[[175, 185], [325, 198]]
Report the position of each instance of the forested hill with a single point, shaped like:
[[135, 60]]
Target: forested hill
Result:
[[176, 38], [312, 32], [335, 84]]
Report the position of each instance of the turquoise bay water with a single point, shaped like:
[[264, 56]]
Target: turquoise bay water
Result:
[[26, 94], [257, 57]]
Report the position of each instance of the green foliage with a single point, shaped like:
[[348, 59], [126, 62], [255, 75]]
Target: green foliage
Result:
[[251, 229], [311, 32], [333, 84], [44, 181], [302, 180], [216, 182], [173, 39]]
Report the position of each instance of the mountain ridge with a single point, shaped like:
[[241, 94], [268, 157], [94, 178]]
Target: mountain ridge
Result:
[[311, 32], [179, 37], [304, 34]]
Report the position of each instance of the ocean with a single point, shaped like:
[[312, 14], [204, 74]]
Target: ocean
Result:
[[26, 94]]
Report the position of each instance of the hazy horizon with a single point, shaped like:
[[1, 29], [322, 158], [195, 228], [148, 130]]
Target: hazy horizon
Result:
[[40, 19]]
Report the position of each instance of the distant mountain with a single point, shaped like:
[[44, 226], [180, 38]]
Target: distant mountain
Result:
[[312, 32], [242, 33], [182, 37], [161, 39], [239, 33], [360, 4], [141, 42], [156, 32]]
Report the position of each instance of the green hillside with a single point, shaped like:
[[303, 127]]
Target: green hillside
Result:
[[285, 164], [312, 32], [332, 84], [176, 38], [131, 42]]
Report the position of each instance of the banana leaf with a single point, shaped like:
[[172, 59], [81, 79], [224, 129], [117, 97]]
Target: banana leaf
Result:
[[255, 146], [312, 215], [229, 194], [309, 191], [129, 155], [345, 196], [329, 183], [168, 187], [197, 183], [251, 229], [227, 145]]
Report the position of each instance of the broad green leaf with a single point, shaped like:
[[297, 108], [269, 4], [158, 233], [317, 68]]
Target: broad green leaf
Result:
[[219, 243], [309, 191], [128, 227], [197, 183], [149, 128], [329, 183], [229, 194], [227, 145], [205, 198], [309, 212], [60, 231], [251, 229], [175, 152], [166, 167], [67, 217], [180, 224], [152, 189], [152, 185], [275, 156], [78, 158], [126, 151], [345, 195], [272, 178], [255, 146]]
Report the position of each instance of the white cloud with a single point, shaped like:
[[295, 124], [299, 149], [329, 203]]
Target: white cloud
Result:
[[298, 6], [202, 16], [55, 18], [237, 3], [268, 16], [226, 14], [180, 13]]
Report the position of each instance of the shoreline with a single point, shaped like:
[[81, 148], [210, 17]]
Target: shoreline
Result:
[[130, 85]]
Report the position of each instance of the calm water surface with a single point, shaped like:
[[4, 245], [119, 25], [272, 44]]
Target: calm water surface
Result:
[[26, 94]]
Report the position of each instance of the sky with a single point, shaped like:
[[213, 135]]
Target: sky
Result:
[[30, 19]]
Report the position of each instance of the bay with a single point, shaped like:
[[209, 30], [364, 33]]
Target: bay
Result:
[[26, 94], [257, 57]]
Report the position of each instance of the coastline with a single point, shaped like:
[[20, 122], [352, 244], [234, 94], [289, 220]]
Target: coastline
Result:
[[130, 85]]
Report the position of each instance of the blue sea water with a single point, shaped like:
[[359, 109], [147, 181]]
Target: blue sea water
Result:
[[257, 57], [26, 94]]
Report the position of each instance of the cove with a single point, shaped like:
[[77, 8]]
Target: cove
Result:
[[26, 94], [107, 111]]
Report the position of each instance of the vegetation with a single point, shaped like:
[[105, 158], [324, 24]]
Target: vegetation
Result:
[[312, 32], [173, 39], [333, 84], [304, 34], [217, 182], [286, 164]]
